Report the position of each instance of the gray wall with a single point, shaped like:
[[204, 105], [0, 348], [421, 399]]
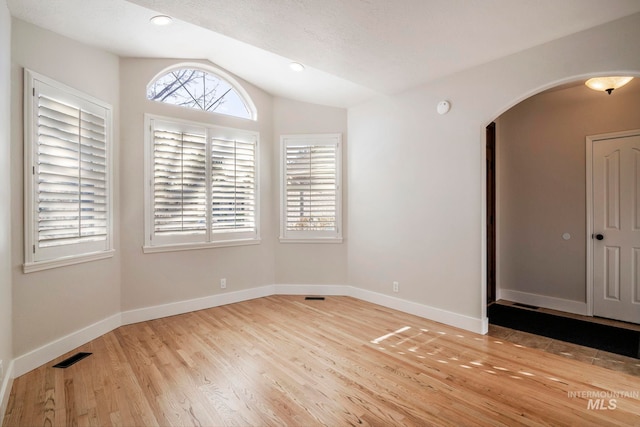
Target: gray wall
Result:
[[52, 303], [416, 179], [153, 279], [541, 185], [159, 278], [307, 263], [6, 352]]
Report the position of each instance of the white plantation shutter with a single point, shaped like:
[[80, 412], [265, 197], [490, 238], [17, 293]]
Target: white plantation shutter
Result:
[[68, 204], [233, 169], [179, 181], [311, 187], [71, 186], [202, 185]]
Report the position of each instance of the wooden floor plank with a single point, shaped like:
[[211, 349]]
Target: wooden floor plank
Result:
[[285, 361]]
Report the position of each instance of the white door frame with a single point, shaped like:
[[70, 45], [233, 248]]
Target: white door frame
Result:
[[590, 140]]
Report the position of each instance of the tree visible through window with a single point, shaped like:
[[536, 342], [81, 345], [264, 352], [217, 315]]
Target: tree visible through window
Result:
[[198, 89]]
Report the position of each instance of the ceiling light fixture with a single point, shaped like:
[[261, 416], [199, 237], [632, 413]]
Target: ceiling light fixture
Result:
[[296, 66], [161, 20], [607, 84]]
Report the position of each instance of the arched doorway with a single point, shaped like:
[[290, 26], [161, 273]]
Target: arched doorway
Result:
[[540, 199]]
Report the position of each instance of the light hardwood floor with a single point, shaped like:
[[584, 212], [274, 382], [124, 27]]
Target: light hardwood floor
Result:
[[282, 360]]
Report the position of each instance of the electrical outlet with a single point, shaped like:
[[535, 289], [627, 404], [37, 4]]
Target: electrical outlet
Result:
[[396, 287], [223, 283]]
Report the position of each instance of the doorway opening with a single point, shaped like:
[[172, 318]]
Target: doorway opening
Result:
[[537, 237]]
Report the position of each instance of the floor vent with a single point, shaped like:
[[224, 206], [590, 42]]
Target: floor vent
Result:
[[314, 298], [70, 361], [519, 304]]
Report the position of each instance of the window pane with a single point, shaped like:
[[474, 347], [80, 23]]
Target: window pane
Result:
[[198, 89], [311, 187], [180, 183], [203, 188], [233, 183], [72, 174]]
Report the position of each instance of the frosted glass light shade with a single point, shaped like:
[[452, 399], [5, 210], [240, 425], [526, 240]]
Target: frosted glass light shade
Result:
[[607, 84]]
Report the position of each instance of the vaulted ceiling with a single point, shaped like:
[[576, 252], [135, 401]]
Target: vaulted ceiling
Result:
[[352, 49]]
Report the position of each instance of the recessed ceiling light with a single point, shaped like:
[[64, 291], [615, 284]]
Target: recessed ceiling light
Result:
[[161, 20], [296, 66]]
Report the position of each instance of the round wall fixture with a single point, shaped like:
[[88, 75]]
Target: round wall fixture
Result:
[[443, 107]]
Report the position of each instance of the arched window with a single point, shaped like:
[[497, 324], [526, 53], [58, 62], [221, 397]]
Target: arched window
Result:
[[197, 88]]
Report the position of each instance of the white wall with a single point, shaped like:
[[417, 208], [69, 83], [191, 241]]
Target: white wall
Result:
[[541, 175], [160, 278], [6, 351], [50, 304], [416, 179], [305, 263]]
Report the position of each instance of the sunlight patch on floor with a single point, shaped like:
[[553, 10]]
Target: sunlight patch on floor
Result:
[[384, 337]]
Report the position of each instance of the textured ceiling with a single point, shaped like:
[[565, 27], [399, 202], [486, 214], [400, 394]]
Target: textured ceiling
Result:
[[353, 49]]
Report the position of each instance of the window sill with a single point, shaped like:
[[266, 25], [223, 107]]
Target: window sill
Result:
[[193, 246], [311, 240], [30, 267]]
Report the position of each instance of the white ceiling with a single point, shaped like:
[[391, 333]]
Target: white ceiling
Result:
[[353, 49]]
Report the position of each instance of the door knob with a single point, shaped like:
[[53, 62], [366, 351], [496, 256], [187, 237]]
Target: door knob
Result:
[[599, 236]]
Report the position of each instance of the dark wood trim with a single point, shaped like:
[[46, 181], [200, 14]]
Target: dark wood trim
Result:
[[491, 212]]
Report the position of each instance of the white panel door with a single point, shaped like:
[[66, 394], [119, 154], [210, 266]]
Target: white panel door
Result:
[[616, 227]]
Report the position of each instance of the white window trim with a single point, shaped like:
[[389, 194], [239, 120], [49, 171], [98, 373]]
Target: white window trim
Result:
[[310, 236], [30, 156], [212, 241], [70, 260], [193, 246]]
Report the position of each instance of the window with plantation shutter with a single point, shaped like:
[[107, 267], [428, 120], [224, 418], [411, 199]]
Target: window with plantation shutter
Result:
[[233, 165], [202, 185], [311, 188], [68, 179], [179, 183]]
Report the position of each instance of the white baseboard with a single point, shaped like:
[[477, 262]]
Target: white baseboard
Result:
[[552, 303], [311, 290], [57, 348], [48, 352], [180, 307], [479, 326], [5, 388]]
